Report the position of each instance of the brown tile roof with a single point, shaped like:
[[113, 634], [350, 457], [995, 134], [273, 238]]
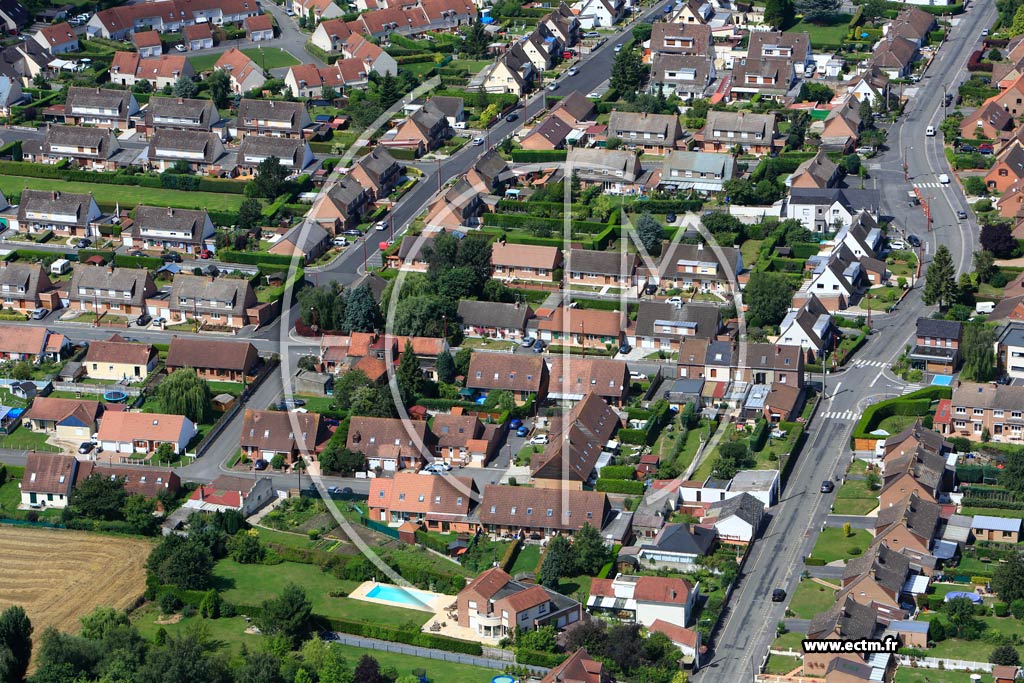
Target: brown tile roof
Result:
[[58, 34], [211, 355], [117, 350], [280, 431], [19, 339], [386, 437], [518, 506], [455, 431], [123, 427], [489, 582], [524, 600], [418, 494], [524, 255], [590, 424], [144, 481], [261, 22], [670, 590], [578, 668], [675, 633], [512, 372], [593, 321], [602, 376], [197, 32], [48, 409], [49, 473], [146, 38]]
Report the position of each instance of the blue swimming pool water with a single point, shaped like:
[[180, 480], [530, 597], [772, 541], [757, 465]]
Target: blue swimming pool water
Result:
[[402, 596], [503, 679], [15, 412]]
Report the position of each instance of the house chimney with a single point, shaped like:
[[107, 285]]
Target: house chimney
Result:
[[110, 268], [202, 492]]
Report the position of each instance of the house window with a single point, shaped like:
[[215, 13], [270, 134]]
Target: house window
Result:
[[551, 512], [513, 508], [401, 496], [998, 413], [529, 511]]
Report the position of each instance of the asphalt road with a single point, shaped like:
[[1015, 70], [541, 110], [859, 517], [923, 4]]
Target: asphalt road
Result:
[[775, 560]]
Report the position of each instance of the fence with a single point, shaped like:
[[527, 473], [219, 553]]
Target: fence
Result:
[[378, 527], [82, 388], [940, 663], [229, 415], [440, 655]]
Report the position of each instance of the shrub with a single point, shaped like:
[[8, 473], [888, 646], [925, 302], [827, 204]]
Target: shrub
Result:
[[397, 635], [1001, 609], [620, 486], [814, 562], [854, 551], [169, 601], [618, 472]]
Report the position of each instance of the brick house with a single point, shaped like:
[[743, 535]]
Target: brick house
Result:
[[441, 504], [584, 431], [267, 433], [64, 213], [110, 290], [937, 345], [600, 268], [515, 510], [525, 262], [100, 107], [169, 229], [995, 409], [219, 301], [22, 285], [219, 361], [495, 606], [580, 327], [572, 379], [526, 376], [272, 117], [389, 443]]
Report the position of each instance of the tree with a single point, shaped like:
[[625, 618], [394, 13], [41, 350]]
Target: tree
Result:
[[445, 367], [815, 92], [1005, 655], [368, 671], [219, 84], [961, 615], [476, 43], [940, 280], [289, 615], [63, 657], [998, 239], [250, 214], [1008, 578], [246, 548], [979, 357], [590, 634], [362, 314], [628, 73], [538, 640], [185, 87], [260, 667], [346, 383], [15, 644], [389, 91], [818, 11], [409, 375], [209, 607], [558, 562], [186, 563], [649, 232], [185, 393], [423, 315], [1017, 27], [187, 656], [269, 181], [778, 13], [277, 462], [591, 552], [462, 358], [372, 402], [974, 186], [984, 265], [342, 460], [98, 497], [994, 55], [768, 296], [642, 32], [501, 400]]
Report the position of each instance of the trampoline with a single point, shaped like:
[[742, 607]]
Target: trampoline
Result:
[[115, 396]]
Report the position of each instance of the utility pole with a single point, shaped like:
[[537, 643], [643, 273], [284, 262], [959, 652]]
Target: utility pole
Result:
[[439, 175], [906, 168]]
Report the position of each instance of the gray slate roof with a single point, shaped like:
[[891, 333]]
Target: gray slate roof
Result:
[[941, 329], [202, 112], [681, 538], [600, 262], [154, 217], [185, 141], [744, 506], [489, 314], [222, 295], [64, 203]]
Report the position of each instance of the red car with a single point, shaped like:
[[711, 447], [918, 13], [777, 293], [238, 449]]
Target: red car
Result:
[[985, 148], [205, 253]]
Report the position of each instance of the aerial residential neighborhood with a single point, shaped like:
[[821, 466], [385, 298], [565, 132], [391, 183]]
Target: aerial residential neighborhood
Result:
[[458, 341]]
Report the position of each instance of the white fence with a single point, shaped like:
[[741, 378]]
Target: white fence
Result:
[[940, 663]]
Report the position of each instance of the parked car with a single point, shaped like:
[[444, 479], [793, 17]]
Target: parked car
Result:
[[522, 431], [39, 313], [961, 214], [179, 47], [625, 348], [572, 71], [527, 342], [515, 424], [539, 344], [539, 440], [986, 148], [83, 243], [966, 149], [293, 403], [778, 595], [339, 242], [137, 253], [212, 271], [553, 87], [353, 232], [171, 257], [86, 447], [638, 376], [914, 241], [333, 489], [513, 116], [381, 225], [674, 300], [827, 486], [897, 244], [865, 150], [205, 254], [160, 322], [671, 218], [618, 48], [477, 142], [144, 320], [260, 465], [650, 289], [984, 33]]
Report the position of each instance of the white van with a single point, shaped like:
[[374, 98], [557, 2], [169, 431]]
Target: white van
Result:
[[930, 131], [984, 307], [944, 179]]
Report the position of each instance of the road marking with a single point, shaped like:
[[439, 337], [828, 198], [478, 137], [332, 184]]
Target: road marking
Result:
[[910, 388], [868, 364], [877, 377], [840, 415], [834, 392]]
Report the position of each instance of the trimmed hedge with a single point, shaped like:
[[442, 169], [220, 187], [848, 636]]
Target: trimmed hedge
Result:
[[915, 403], [620, 486], [510, 556], [395, 635], [148, 262], [635, 437], [548, 660], [527, 156], [253, 258], [618, 472], [169, 181]]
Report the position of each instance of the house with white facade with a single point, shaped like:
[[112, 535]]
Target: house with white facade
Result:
[[829, 209], [737, 519], [810, 327], [599, 13], [645, 598]]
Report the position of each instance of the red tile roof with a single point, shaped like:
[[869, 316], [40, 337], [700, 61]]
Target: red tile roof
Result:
[[677, 634]]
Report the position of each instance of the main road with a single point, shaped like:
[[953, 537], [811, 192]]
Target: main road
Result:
[[776, 560]]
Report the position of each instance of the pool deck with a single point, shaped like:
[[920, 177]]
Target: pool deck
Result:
[[436, 603]]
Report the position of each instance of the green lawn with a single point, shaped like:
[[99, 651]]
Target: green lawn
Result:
[[855, 498], [251, 584], [894, 424], [24, 440], [233, 388], [833, 544], [907, 674], [437, 671], [527, 561], [471, 65], [317, 404], [810, 598], [10, 497], [972, 650], [267, 57], [578, 587], [526, 453], [833, 33], [127, 195], [290, 540], [228, 633], [782, 664], [993, 512], [790, 641], [749, 251]]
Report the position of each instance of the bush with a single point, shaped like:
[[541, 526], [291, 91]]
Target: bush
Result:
[[618, 472], [634, 437], [814, 562], [1001, 609], [547, 660], [620, 486], [915, 403], [169, 601]]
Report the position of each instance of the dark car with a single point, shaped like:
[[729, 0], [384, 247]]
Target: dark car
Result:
[[512, 117], [171, 257], [966, 149], [670, 218], [137, 253], [212, 270], [522, 431], [650, 289], [778, 595], [827, 486], [914, 241], [86, 447], [260, 465], [292, 403], [83, 244], [353, 232], [143, 319], [515, 424], [625, 348]]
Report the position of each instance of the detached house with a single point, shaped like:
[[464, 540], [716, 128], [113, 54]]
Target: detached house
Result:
[[440, 504], [70, 419], [551, 133], [221, 301], [819, 171], [272, 117], [18, 342], [495, 606], [66, 214], [644, 599], [22, 286], [119, 360], [100, 107], [243, 73], [458, 206], [526, 376], [894, 56], [202, 151], [937, 345], [318, 10], [218, 361], [183, 230], [57, 38], [48, 480], [389, 443], [489, 174], [524, 262], [126, 433], [464, 440], [723, 131], [829, 209], [232, 493], [653, 133], [810, 327], [109, 290], [579, 668], [599, 13], [268, 433], [601, 268], [701, 171]]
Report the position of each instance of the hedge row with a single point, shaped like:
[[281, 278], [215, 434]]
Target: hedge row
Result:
[[169, 181], [528, 156], [253, 258], [148, 262], [432, 542], [415, 58], [515, 220], [635, 437], [618, 472], [915, 403], [507, 560], [548, 660], [977, 501], [395, 635], [976, 474], [620, 486]]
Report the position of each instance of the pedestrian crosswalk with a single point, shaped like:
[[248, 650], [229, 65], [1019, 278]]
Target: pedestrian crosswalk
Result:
[[910, 388], [929, 185], [841, 415], [863, 363]]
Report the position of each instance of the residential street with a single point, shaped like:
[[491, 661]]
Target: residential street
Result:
[[775, 561]]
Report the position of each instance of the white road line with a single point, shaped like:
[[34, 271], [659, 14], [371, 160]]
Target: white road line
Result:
[[834, 392], [877, 377]]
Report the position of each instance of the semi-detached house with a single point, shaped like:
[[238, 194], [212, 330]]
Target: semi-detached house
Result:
[[995, 410], [126, 432], [179, 113], [653, 133], [109, 290], [294, 154], [268, 433], [100, 107], [129, 68], [217, 301], [272, 117], [22, 286], [170, 229], [119, 23], [85, 148], [390, 443], [203, 151], [723, 131], [63, 213]]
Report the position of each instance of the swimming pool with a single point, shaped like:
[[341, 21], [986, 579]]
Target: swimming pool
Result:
[[402, 596]]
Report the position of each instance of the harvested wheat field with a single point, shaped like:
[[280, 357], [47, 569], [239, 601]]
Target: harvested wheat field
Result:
[[58, 576]]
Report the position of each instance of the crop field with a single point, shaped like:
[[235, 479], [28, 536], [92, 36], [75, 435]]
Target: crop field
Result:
[[59, 576]]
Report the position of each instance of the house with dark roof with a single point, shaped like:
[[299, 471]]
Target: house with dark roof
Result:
[[723, 131], [698, 267], [441, 504], [139, 480], [810, 327], [272, 117], [937, 345], [894, 55], [109, 290], [48, 480], [464, 440], [342, 206], [497, 320], [489, 174], [701, 171], [86, 148], [599, 13], [117, 360], [179, 113], [13, 15], [615, 171], [736, 519], [914, 437], [550, 133], [457, 207], [389, 443], [101, 107], [652, 133], [876, 577], [169, 229], [203, 151], [294, 154], [911, 527], [308, 241], [64, 213], [378, 172], [213, 360], [575, 109], [829, 209], [912, 23], [268, 433], [994, 410], [676, 546], [682, 75], [601, 268], [1010, 349], [578, 668], [664, 326], [670, 38], [424, 130], [526, 376], [213, 301], [1008, 170], [772, 364], [494, 605], [539, 512], [988, 122], [584, 432], [846, 620], [22, 286], [922, 472]]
